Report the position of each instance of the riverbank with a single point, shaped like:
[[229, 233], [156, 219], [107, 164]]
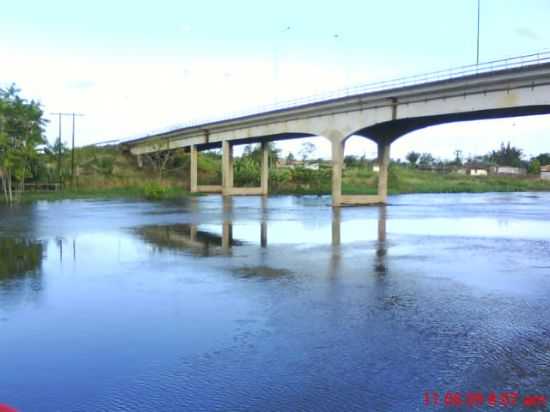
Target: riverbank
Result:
[[133, 192], [402, 180]]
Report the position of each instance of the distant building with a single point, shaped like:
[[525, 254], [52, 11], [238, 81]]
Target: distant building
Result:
[[545, 172], [475, 169], [510, 171], [311, 165]]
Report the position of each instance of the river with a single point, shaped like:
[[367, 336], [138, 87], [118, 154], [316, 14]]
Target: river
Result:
[[273, 304]]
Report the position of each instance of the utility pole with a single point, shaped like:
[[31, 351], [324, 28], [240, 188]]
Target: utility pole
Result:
[[478, 21], [73, 115], [59, 152], [72, 155]]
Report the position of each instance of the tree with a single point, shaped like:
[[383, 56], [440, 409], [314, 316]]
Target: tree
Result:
[[255, 153], [544, 158], [412, 157], [426, 159], [290, 157], [534, 166], [352, 161], [159, 161], [159, 158], [21, 131], [506, 155], [306, 150], [458, 158]]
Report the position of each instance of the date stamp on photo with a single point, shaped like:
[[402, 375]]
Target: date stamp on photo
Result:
[[493, 399]]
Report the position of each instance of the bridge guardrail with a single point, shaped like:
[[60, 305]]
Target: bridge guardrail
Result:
[[441, 75]]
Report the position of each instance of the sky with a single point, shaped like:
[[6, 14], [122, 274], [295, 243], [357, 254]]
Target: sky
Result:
[[133, 68]]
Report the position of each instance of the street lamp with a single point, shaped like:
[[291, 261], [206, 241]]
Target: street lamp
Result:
[[276, 60], [338, 42], [478, 21]]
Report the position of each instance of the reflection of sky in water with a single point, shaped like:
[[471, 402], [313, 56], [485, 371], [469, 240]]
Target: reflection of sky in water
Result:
[[295, 232]]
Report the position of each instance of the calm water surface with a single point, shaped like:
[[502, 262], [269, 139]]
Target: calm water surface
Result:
[[271, 305]]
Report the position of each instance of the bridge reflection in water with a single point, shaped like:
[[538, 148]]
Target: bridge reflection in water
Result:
[[217, 237]]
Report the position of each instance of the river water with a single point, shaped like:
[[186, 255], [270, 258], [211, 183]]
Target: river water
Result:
[[275, 304]]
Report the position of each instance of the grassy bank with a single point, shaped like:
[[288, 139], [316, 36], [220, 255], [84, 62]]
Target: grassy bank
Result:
[[132, 192], [107, 173], [408, 180]]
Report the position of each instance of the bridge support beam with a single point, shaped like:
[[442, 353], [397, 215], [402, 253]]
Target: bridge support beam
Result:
[[264, 180], [227, 167], [228, 188], [194, 166], [338, 199], [383, 164]]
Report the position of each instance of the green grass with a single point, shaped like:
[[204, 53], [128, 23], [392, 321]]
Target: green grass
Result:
[[407, 180], [355, 181], [132, 192]]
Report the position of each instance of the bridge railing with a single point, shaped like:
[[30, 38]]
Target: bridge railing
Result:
[[441, 75]]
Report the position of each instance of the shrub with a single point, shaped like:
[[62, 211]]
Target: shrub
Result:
[[154, 191]]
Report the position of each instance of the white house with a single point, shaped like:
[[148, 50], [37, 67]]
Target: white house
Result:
[[510, 171]]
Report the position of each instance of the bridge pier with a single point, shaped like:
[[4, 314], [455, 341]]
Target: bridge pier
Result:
[[194, 175], [228, 188], [194, 169], [338, 199]]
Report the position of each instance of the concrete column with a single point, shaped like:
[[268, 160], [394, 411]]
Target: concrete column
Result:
[[263, 234], [263, 225], [383, 164], [139, 161], [227, 166], [193, 233], [337, 164], [227, 235], [265, 169], [194, 169], [336, 232]]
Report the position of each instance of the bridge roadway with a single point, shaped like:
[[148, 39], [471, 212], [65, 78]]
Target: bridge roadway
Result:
[[382, 112]]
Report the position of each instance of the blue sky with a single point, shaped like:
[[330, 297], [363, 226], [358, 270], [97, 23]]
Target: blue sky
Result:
[[133, 68]]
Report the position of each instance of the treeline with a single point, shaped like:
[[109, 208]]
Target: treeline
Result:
[[505, 155], [21, 132]]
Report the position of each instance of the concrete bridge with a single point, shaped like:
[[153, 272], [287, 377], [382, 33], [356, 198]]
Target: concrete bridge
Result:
[[382, 112]]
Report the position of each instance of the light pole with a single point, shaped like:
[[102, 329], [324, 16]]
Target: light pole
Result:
[[338, 42], [276, 60], [478, 21]]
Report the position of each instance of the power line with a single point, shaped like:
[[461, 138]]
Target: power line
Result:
[[60, 115]]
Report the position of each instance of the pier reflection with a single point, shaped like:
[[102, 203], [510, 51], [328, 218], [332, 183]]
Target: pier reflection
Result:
[[208, 239]]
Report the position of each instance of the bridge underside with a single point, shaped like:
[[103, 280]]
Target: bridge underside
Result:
[[383, 134], [383, 119], [394, 129]]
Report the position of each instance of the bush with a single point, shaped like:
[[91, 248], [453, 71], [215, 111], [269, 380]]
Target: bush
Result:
[[247, 172], [393, 177], [154, 191], [534, 167]]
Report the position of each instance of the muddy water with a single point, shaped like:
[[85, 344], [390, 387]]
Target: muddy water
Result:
[[277, 304]]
